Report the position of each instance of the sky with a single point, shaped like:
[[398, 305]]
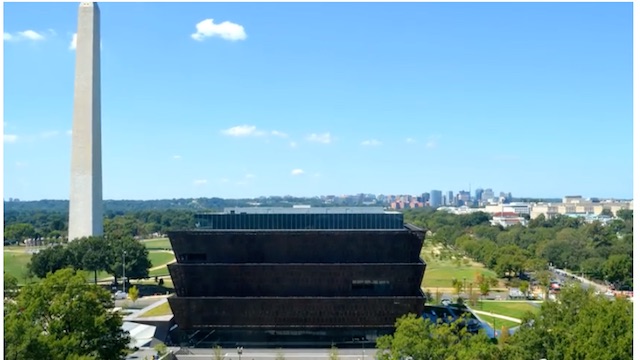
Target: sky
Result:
[[240, 100]]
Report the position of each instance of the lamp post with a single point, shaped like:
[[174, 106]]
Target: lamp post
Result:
[[464, 284], [124, 275]]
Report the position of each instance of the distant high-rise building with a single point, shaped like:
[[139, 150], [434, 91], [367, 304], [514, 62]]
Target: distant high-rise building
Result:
[[435, 199], [479, 192], [450, 198], [464, 197], [488, 195], [425, 197]]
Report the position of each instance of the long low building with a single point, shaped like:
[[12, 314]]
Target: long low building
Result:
[[292, 277]]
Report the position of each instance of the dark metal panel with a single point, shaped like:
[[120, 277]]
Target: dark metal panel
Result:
[[245, 280], [294, 312], [297, 246]]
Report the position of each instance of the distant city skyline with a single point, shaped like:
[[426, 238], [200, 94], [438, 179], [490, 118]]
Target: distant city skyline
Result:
[[239, 100]]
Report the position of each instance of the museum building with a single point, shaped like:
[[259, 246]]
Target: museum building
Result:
[[295, 276]]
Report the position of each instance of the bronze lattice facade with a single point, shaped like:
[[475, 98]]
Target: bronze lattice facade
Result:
[[332, 285]]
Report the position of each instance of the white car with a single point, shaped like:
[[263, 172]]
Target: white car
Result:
[[120, 295]]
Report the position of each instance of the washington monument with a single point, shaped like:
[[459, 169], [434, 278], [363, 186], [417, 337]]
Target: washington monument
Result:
[[85, 201]]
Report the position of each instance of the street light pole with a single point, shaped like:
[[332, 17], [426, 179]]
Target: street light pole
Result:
[[124, 275]]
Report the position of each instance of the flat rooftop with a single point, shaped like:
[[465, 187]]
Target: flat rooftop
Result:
[[307, 210]]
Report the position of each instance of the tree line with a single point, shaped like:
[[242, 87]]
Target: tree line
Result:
[[601, 252], [52, 227], [94, 254]]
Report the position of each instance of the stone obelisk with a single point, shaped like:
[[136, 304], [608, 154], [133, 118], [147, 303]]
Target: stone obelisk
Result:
[[85, 202]]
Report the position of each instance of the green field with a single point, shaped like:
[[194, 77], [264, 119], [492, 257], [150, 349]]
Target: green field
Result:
[[512, 309], [157, 244], [441, 273], [441, 270], [160, 258], [163, 309], [16, 260], [15, 263], [159, 272], [499, 323]]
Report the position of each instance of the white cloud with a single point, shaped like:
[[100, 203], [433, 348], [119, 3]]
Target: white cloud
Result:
[[249, 176], [243, 130], [372, 142], [69, 132], [293, 144], [224, 180], [432, 142], [10, 138], [410, 140], [279, 134], [296, 172], [225, 30], [320, 138], [176, 157], [74, 41], [316, 175], [23, 35], [21, 164], [199, 182]]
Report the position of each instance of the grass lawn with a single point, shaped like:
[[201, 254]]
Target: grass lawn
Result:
[[157, 244], [513, 309], [159, 310], [441, 273], [499, 323], [160, 258], [159, 272], [15, 263]]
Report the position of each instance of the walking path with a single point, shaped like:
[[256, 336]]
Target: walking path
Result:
[[498, 316]]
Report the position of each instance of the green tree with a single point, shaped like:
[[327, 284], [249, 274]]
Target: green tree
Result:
[[217, 353], [524, 287], [581, 325], [618, 269], [457, 286], [134, 293], [334, 354], [160, 348], [91, 254], [626, 215], [136, 257], [61, 318], [19, 232], [49, 260], [421, 339], [10, 286]]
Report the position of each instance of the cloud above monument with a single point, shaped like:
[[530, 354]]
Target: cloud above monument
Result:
[[296, 172], [27, 35], [251, 130], [225, 30], [324, 138]]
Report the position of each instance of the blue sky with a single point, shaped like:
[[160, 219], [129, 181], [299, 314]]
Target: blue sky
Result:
[[328, 98]]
